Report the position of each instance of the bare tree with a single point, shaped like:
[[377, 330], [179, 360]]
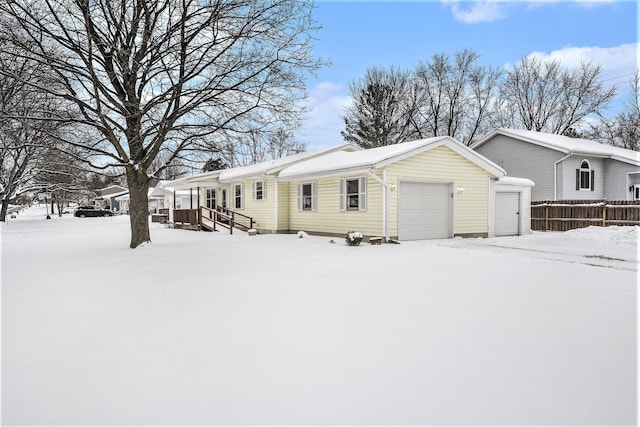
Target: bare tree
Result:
[[545, 96], [382, 111], [454, 96], [282, 143], [153, 75], [623, 129], [61, 175], [443, 96], [26, 131]]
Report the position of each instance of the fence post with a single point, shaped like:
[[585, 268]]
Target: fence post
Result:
[[604, 212], [546, 216]]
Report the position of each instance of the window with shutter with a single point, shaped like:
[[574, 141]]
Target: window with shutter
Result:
[[353, 194], [259, 190], [307, 197], [585, 177]]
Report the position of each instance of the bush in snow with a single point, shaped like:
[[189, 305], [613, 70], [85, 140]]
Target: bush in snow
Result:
[[353, 238], [302, 235]]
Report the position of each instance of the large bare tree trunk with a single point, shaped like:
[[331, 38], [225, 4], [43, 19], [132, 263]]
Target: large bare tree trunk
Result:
[[138, 183], [4, 207]]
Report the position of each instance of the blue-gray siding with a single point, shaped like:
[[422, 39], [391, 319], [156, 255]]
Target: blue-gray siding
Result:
[[524, 160]]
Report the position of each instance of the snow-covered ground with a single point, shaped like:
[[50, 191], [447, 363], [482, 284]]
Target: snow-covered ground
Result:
[[208, 328]]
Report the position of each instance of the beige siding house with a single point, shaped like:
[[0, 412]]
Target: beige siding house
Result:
[[427, 189], [431, 188]]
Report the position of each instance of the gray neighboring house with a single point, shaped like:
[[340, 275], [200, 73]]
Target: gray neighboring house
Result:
[[564, 168]]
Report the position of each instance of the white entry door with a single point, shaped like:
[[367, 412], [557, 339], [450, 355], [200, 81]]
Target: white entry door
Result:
[[425, 211], [507, 214]]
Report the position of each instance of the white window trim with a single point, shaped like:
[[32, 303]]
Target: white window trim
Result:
[[589, 171], [264, 190], [314, 196], [362, 194], [214, 198], [234, 197]]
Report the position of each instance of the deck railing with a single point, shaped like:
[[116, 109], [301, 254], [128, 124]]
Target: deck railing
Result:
[[186, 216], [225, 218]]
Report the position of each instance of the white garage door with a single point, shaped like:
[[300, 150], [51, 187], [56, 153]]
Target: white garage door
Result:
[[424, 211], [507, 216]]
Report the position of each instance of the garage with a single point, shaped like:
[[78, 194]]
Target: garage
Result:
[[425, 210], [511, 207], [507, 217]]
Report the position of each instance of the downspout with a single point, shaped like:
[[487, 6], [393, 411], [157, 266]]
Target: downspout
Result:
[[385, 198], [275, 227], [555, 175]]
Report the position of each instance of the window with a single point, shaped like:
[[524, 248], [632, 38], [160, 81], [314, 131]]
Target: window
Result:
[[211, 199], [259, 190], [585, 177], [307, 196], [353, 194], [238, 199]]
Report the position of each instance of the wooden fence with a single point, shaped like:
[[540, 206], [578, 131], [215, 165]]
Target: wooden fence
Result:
[[566, 215]]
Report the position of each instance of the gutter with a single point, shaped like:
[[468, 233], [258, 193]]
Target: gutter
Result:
[[385, 201]]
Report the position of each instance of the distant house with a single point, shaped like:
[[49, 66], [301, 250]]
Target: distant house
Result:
[[564, 168], [108, 197], [426, 189]]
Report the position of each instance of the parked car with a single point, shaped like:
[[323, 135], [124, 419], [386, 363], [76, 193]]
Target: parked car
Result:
[[84, 211]]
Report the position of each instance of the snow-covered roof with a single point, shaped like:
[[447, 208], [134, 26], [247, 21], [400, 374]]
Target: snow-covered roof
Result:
[[511, 180], [352, 162], [273, 166], [111, 195], [567, 145]]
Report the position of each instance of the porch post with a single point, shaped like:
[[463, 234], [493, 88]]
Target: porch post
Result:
[[190, 198]]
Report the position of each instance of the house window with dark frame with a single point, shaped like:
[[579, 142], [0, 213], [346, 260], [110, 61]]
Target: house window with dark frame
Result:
[[585, 177], [211, 199]]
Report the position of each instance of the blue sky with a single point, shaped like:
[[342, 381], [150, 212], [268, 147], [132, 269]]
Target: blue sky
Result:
[[357, 35]]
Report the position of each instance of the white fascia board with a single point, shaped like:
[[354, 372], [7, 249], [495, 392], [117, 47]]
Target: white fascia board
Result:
[[326, 174], [238, 178]]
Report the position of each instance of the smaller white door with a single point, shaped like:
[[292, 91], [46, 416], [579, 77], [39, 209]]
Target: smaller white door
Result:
[[507, 214]]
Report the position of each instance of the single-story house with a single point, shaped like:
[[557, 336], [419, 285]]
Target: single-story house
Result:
[[564, 168], [426, 189], [108, 197]]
